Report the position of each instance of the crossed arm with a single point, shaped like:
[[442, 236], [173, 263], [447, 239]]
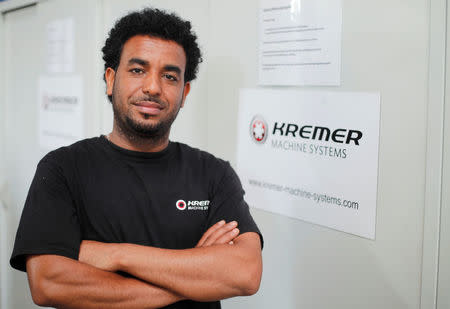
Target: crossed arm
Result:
[[222, 265]]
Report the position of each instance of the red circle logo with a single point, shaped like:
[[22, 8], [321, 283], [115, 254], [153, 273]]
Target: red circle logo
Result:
[[181, 205], [259, 129]]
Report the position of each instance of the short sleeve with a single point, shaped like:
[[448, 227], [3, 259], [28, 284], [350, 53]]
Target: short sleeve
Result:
[[228, 204], [49, 222]]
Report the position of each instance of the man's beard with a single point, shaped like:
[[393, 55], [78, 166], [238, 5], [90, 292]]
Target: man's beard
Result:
[[135, 129]]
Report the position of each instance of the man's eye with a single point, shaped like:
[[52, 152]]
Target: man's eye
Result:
[[170, 77], [137, 71]]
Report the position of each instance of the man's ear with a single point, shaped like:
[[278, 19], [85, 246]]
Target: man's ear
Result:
[[110, 75], [187, 88]]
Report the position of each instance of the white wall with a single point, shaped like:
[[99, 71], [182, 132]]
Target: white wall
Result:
[[385, 47], [20, 153], [3, 232], [444, 249], [24, 61]]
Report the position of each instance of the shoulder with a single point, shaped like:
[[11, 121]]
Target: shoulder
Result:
[[215, 169], [201, 158], [63, 157], [73, 149]]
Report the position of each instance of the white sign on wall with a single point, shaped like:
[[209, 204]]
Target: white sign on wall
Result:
[[300, 42], [311, 156], [60, 110], [60, 46]]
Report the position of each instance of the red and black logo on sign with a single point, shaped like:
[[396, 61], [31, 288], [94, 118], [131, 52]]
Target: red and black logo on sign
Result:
[[181, 205], [259, 129]]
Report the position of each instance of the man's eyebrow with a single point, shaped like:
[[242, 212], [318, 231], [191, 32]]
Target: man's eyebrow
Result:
[[172, 68], [137, 61]]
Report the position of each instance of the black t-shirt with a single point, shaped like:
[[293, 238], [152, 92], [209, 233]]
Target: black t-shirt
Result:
[[95, 190]]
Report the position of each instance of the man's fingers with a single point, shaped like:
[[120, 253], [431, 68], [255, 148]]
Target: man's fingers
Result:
[[217, 234], [209, 232], [227, 237]]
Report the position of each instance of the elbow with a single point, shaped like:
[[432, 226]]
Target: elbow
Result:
[[39, 283], [250, 290], [40, 299], [39, 292], [251, 286], [251, 280]]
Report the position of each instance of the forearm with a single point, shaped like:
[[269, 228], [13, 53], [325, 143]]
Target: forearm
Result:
[[203, 274], [73, 284]]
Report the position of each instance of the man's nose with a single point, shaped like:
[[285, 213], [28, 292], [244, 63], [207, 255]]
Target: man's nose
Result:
[[152, 84]]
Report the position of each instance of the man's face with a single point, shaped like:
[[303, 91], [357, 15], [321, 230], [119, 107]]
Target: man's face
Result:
[[148, 86]]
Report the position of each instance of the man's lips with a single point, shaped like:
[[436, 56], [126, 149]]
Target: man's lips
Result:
[[148, 107]]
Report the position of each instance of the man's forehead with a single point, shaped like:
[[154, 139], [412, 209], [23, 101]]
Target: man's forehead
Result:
[[146, 47]]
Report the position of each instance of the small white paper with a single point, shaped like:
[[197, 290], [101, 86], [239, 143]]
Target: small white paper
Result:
[[60, 46], [311, 156], [60, 110], [300, 42]]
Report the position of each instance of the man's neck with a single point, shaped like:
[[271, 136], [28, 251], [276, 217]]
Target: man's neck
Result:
[[137, 143]]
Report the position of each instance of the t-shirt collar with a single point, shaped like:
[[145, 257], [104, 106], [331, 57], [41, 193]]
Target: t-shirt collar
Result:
[[139, 154]]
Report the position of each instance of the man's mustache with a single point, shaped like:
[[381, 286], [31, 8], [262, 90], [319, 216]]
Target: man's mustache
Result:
[[150, 99]]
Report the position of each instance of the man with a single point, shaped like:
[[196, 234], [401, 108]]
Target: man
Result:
[[132, 220]]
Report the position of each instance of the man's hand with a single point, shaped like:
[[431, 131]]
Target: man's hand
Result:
[[219, 234], [98, 254]]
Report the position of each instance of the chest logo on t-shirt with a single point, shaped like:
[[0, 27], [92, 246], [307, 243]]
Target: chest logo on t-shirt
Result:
[[192, 205]]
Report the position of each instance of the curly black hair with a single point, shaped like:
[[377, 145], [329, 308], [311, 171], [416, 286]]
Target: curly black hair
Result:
[[156, 23]]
